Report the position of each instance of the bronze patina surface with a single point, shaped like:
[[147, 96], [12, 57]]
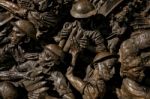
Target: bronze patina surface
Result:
[[74, 49]]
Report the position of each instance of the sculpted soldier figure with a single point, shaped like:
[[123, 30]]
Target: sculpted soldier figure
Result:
[[16, 53], [134, 58], [42, 13], [50, 67], [9, 87], [100, 71], [22, 30], [87, 38], [39, 75], [120, 24], [32, 69]]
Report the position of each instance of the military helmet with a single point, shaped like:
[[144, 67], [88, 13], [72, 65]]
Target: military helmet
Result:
[[56, 50], [82, 9], [103, 55], [26, 27], [8, 91]]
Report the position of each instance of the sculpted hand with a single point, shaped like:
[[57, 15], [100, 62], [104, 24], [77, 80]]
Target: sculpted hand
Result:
[[36, 87], [36, 94], [75, 48], [27, 75], [65, 33], [84, 42]]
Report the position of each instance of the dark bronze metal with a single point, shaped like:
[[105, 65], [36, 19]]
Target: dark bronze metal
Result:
[[74, 49]]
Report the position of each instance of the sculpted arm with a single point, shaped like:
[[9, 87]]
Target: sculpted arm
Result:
[[12, 75], [76, 82]]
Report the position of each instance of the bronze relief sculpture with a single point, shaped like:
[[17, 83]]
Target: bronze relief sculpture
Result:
[[74, 49]]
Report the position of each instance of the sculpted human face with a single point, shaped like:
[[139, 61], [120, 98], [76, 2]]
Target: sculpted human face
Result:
[[49, 58], [17, 35], [106, 68], [136, 73]]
